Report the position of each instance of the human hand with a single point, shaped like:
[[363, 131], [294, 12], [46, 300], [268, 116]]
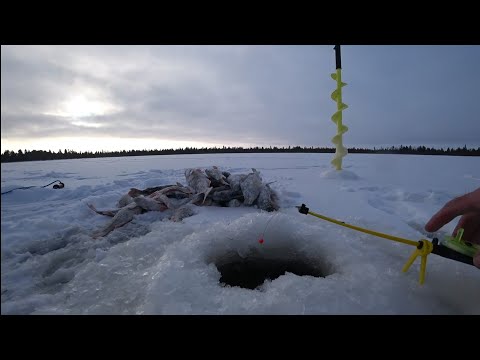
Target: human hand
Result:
[[468, 206]]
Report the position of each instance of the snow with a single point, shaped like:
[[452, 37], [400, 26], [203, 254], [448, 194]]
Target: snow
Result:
[[52, 265]]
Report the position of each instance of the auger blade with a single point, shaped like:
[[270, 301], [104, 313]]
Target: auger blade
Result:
[[340, 150]]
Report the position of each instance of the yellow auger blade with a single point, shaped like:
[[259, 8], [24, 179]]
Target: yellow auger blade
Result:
[[340, 150]]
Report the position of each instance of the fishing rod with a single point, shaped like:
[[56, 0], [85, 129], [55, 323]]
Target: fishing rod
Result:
[[60, 185], [454, 248]]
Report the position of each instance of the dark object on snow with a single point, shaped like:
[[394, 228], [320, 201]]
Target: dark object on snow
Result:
[[59, 186]]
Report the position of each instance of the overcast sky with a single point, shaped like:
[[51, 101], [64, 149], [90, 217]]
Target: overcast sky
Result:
[[147, 97]]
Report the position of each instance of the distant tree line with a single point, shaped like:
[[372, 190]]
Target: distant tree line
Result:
[[36, 155]]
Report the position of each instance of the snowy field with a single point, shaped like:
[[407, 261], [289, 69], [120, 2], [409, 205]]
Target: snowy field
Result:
[[52, 265]]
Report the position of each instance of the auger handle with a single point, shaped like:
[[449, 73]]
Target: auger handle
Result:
[[338, 57]]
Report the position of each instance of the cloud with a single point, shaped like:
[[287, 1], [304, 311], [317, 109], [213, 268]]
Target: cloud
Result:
[[263, 95]]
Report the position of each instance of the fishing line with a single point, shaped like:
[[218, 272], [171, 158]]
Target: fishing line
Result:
[[261, 240]]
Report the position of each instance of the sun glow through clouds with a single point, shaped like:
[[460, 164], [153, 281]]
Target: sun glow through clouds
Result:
[[79, 106]]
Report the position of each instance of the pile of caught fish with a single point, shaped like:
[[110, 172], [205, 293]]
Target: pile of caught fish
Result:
[[209, 187]]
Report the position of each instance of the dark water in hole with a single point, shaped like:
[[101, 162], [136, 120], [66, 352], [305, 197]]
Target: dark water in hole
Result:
[[252, 272]]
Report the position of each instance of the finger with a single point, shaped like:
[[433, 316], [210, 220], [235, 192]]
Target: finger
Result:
[[476, 259], [471, 224], [452, 209]]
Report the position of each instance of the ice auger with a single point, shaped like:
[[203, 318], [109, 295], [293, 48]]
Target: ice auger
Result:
[[340, 150]]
